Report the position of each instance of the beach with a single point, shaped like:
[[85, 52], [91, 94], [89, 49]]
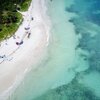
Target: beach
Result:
[[54, 54], [57, 68], [70, 66], [22, 51]]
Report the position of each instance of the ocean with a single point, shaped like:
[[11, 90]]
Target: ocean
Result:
[[71, 70]]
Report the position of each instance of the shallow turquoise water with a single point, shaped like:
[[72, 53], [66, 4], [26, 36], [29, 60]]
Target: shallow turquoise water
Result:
[[70, 64], [86, 83]]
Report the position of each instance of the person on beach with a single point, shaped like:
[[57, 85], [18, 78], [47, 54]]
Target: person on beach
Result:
[[29, 34], [17, 43], [32, 18], [3, 57], [21, 42]]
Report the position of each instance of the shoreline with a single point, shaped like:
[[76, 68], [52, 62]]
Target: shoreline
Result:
[[30, 53]]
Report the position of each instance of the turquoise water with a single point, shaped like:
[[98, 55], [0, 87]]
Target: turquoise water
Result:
[[72, 63]]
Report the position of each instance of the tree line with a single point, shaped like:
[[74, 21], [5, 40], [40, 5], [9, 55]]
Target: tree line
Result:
[[8, 11]]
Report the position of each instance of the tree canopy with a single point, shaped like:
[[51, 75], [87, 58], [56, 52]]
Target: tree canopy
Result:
[[9, 17]]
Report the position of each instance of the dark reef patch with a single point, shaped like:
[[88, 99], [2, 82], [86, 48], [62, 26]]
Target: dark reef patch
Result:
[[72, 91], [88, 9]]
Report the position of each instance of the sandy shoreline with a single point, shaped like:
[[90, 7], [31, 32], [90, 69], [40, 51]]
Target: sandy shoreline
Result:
[[19, 59]]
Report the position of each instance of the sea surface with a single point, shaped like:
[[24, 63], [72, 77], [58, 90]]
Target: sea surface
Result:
[[71, 70]]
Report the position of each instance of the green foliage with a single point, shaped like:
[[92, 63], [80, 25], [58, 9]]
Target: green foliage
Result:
[[9, 17], [25, 5], [9, 28]]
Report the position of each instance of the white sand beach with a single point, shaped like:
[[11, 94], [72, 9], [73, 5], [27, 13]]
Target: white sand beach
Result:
[[25, 48]]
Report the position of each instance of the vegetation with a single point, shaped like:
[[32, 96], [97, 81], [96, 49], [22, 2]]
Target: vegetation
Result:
[[25, 5], [9, 17]]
